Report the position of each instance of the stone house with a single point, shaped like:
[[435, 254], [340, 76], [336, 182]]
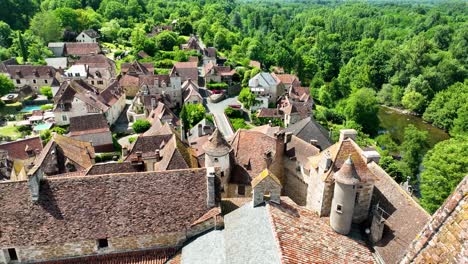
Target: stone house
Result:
[[288, 80], [88, 36], [34, 76], [16, 158], [185, 71], [190, 93], [93, 129], [78, 98], [217, 74], [87, 213], [294, 111], [264, 85], [96, 69], [311, 132], [63, 155], [158, 149]]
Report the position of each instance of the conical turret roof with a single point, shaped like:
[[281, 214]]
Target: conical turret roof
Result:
[[216, 145], [347, 174]]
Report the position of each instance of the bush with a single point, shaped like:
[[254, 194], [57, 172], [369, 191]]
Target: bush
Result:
[[238, 123], [217, 86], [59, 130], [108, 156], [47, 107], [47, 91], [131, 139], [233, 113], [165, 63], [141, 126]]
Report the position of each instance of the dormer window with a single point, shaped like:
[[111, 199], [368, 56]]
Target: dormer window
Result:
[[77, 74], [339, 208], [12, 254], [18, 81], [34, 81], [102, 243]]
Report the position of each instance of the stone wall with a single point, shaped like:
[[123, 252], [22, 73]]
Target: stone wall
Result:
[[315, 192], [295, 186], [231, 191], [362, 205], [327, 198], [116, 244]]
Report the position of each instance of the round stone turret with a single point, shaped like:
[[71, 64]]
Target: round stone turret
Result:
[[217, 155], [216, 145], [344, 196]]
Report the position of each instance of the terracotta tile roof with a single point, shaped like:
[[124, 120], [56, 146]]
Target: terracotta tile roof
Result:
[[80, 152], [163, 113], [210, 52], [298, 93], [267, 129], [444, 238], [249, 149], [303, 237], [88, 124], [79, 48], [254, 63], [147, 145], [69, 90], [270, 113], [286, 79], [137, 68], [90, 207], [17, 149], [152, 256], [30, 71], [95, 61], [186, 70], [300, 149], [405, 218], [114, 167], [339, 152]]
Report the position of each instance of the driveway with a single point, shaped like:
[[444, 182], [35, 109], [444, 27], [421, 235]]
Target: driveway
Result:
[[217, 109]]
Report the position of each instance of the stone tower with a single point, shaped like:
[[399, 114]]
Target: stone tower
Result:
[[344, 196], [217, 155]]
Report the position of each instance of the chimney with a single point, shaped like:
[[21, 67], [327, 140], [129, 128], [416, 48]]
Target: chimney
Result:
[[34, 183], [288, 136], [268, 157], [348, 133], [200, 130], [210, 184], [377, 226], [371, 155], [158, 155], [124, 151]]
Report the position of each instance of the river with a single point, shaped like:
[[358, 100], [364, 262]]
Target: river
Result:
[[395, 122]]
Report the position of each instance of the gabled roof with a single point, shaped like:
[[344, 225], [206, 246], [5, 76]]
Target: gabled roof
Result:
[[137, 68], [338, 153], [308, 129], [263, 79], [80, 48], [303, 237], [266, 173], [90, 207], [301, 150], [163, 112], [80, 152], [186, 70], [404, 217], [114, 167], [249, 150], [30, 71], [270, 113], [286, 79], [267, 129], [17, 150], [91, 33], [88, 124]]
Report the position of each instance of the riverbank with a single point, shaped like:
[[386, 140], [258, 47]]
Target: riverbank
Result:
[[395, 121]]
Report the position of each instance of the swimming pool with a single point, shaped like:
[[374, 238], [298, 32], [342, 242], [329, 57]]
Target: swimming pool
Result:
[[42, 126], [31, 108]]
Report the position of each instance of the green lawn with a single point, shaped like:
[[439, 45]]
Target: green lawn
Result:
[[10, 131]]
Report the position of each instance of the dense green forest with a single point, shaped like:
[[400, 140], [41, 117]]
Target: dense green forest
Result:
[[353, 55]]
